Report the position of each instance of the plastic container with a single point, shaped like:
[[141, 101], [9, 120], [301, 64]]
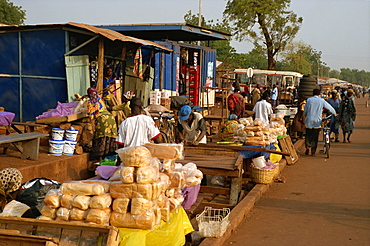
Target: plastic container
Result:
[[71, 135], [56, 147], [57, 134], [259, 162], [69, 147]]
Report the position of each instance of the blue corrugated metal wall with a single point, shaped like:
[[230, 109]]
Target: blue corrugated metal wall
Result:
[[37, 82]]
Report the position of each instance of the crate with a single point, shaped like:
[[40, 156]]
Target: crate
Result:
[[67, 233], [213, 222]]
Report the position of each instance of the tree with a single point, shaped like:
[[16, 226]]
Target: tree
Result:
[[276, 25], [11, 14]]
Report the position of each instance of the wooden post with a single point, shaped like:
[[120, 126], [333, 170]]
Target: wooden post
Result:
[[161, 72], [99, 86]]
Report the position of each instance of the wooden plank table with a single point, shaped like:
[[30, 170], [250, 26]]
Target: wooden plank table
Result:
[[30, 143], [223, 166]]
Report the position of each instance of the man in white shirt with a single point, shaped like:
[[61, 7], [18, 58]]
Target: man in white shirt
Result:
[[138, 129], [263, 109]]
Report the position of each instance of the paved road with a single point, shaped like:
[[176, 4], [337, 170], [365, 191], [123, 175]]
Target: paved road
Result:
[[323, 202]]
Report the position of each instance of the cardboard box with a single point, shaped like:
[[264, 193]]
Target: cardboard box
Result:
[[155, 94], [166, 102], [155, 100], [165, 94]]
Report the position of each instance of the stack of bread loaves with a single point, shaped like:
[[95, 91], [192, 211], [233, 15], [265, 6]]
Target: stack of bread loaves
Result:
[[81, 201], [255, 132], [149, 186]]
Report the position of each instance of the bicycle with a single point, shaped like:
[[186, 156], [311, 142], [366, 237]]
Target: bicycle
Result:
[[326, 135], [166, 126]]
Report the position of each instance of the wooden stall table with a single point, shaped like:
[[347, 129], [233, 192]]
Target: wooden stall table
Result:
[[226, 166], [214, 119]]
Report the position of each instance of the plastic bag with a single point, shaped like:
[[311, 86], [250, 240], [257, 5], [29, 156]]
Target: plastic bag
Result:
[[14, 209], [33, 192]]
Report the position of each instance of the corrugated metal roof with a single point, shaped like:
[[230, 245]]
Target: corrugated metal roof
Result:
[[113, 35], [109, 34]]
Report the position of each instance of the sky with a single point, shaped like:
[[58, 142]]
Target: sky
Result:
[[340, 29]]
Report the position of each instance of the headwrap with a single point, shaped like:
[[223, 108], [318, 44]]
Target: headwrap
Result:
[[10, 181], [129, 95], [350, 90], [95, 105]]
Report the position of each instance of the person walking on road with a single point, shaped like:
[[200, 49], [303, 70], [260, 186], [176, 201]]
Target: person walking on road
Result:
[[313, 111], [347, 115], [334, 102]]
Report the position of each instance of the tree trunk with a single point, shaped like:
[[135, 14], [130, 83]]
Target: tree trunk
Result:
[[270, 60]]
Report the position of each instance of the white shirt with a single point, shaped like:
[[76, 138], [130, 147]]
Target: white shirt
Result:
[[137, 130], [275, 93], [262, 111]]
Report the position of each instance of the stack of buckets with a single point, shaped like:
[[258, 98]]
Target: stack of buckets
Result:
[[62, 141]]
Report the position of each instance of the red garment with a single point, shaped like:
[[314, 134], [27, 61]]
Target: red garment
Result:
[[236, 104]]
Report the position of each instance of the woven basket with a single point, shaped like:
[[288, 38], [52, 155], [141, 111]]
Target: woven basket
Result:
[[262, 176], [277, 170]]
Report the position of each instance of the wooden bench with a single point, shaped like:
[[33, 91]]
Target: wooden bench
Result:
[[30, 143], [28, 127]]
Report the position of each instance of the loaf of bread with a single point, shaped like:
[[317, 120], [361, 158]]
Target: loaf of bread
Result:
[[77, 214], [42, 217], [253, 128], [80, 188], [145, 221], [146, 175], [162, 177], [165, 214], [52, 199], [124, 220], [162, 201], [100, 202], [49, 212], [158, 216], [164, 151], [99, 216], [122, 190], [121, 205], [106, 184], [81, 202], [255, 142], [169, 165], [137, 156], [176, 179], [66, 201], [116, 176], [157, 188], [127, 175], [143, 191], [63, 214], [140, 205]]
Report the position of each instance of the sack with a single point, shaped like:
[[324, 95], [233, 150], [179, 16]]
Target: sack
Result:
[[33, 192], [178, 101]]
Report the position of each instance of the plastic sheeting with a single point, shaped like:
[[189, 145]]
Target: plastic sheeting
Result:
[[169, 234]]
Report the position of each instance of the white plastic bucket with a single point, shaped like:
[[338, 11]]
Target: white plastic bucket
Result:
[[69, 147], [56, 147], [71, 135], [57, 134], [259, 162]]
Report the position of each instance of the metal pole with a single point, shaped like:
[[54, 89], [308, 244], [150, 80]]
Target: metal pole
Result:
[[200, 17]]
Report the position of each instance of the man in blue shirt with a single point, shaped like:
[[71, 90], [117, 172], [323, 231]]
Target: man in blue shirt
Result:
[[313, 112]]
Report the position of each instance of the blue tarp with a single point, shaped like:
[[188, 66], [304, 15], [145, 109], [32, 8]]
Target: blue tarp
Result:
[[249, 154]]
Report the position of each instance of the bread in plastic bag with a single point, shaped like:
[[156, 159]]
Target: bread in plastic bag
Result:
[[137, 156]]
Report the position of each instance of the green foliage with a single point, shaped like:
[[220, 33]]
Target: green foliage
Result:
[[264, 22], [355, 76], [11, 14]]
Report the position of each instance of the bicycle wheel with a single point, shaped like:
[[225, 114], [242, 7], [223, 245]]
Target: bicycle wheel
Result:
[[327, 147], [164, 137]]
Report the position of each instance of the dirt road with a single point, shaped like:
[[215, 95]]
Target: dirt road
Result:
[[323, 202]]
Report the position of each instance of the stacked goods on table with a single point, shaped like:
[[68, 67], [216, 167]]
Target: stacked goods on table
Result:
[[256, 133], [147, 188]]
